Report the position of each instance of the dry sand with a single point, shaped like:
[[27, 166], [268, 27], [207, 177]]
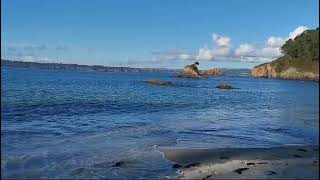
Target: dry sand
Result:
[[290, 162]]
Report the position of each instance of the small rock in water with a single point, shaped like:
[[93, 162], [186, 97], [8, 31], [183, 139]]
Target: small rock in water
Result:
[[118, 164], [303, 150], [159, 82], [207, 177], [270, 172], [315, 162], [297, 156], [223, 157], [239, 170], [176, 166], [192, 164], [251, 164], [225, 86], [262, 163]]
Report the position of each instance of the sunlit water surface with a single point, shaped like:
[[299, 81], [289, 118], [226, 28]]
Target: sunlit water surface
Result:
[[76, 124]]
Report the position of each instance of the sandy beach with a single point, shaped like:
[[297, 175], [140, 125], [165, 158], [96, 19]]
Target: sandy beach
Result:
[[290, 162]]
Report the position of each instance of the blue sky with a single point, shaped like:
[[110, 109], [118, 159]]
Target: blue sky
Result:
[[153, 33]]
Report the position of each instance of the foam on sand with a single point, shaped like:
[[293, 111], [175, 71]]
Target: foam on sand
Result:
[[243, 163]]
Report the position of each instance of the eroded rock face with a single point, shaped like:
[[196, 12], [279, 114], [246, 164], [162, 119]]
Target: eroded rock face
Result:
[[189, 73], [268, 71], [264, 71], [211, 72], [293, 73]]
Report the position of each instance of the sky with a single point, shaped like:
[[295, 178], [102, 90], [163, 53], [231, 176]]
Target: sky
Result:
[[153, 33]]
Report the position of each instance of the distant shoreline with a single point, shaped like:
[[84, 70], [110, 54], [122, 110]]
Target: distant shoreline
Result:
[[99, 68]]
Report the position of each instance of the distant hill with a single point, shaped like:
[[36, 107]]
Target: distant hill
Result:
[[21, 64], [300, 60]]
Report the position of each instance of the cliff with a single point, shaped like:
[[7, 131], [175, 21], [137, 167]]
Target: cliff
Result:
[[300, 60]]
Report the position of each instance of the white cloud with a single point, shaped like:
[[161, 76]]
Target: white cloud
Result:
[[185, 56], [221, 41], [275, 41], [221, 51], [28, 58], [246, 50], [297, 32], [270, 52], [205, 54], [222, 48]]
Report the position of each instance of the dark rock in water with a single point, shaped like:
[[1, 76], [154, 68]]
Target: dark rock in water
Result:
[[262, 163], [159, 82], [192, 164], [207, 177], [164, 83], [223, 157], [225, 86], [270, 173], [176, 166], [251, 164], [118, 164], [297, 156], [303, 150], [239, 171]]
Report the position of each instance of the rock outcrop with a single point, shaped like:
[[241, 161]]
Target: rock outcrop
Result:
[[164, 83], [211, 72], [225, 86], [159, 82], [264, 71], [270, 70], [191, 71]]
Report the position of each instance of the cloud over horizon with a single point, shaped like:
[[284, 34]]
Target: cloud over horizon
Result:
[[246, 52], [29, 52]]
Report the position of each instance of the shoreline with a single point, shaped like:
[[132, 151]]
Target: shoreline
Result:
[[294, 161]]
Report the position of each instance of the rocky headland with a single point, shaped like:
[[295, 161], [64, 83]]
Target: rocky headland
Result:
[[300, 60]]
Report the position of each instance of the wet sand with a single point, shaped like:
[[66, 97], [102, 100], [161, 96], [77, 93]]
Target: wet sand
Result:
[[290, 162]]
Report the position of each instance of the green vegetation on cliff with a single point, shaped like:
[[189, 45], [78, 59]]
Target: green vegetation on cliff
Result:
[[301, 53], [304, 46], [300, 59]]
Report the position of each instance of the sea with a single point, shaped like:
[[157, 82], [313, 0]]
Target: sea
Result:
[[113, 125]]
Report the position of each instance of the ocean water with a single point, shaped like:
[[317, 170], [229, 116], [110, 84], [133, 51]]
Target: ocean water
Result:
[[77, 124]]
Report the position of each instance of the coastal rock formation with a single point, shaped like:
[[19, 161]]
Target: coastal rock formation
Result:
[[300, 60], [225, 86], [191, 71], [159, 82], [264, 70], [271, 70], [164, 83], [211, 72]]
